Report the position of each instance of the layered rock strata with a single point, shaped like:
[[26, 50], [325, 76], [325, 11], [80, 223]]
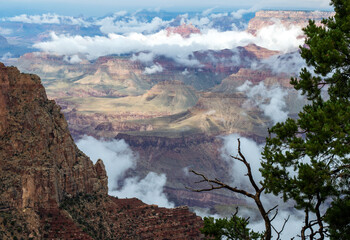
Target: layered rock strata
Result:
[[41, 169], [286, 18], [39, 161]]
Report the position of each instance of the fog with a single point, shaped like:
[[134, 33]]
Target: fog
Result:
[[118, 158], [275, 37], [271, 100]]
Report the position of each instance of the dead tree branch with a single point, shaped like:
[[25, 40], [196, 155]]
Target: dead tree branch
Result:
[[217, 184]]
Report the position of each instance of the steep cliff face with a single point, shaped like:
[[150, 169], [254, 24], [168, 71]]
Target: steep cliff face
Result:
[[41, 169], [39, 161]]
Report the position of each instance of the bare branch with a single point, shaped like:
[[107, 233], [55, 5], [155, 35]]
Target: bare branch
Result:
[[270, 210], [220, 185], [250, 175], [274, 216], [217, 184], [282, 229]]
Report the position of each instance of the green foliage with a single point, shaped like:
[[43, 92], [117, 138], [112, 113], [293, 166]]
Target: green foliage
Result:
[[338, 217], [235, 228], [308, 159]]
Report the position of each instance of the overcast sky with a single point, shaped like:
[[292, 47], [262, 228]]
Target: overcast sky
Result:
[[101, 7]]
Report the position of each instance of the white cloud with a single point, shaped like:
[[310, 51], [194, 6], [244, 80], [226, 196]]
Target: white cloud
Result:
[[116, 155], [185, 72], [156, 68], [48, 18], [72, 59], [275, 37], [218, 15], [208, 11], [290, 63], [280, 38], [149, 190], [200, 21], [270, 100], [118, 158], [143, 57], [239, 13], [250, 150], [130, 24], [6, 56], [5, 31]]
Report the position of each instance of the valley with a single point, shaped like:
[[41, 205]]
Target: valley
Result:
[[173, 110]]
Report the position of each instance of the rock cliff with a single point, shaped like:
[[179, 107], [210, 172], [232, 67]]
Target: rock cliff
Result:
[[287, 18], [41, 169], [40, 163]]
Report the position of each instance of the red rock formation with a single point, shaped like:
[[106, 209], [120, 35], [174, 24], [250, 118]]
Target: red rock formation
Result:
[[260, 52], [184, 30], [133, 219], [41, 168]]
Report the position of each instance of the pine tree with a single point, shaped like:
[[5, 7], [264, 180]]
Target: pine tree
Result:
[[307, 159]]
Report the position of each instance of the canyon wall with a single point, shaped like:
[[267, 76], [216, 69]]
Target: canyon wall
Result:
[[41, 170]]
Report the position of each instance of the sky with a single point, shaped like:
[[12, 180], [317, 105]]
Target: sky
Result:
[[101, 7]]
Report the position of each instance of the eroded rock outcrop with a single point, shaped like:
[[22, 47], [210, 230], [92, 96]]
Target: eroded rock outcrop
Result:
[[184, 30], [39, 160], [41, 169]]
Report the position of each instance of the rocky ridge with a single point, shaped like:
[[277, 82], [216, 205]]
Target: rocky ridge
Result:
[[41, 168], [286, 18], [184, 30]]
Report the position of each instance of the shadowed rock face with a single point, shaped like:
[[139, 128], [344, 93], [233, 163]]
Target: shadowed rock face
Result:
[[41, 169]]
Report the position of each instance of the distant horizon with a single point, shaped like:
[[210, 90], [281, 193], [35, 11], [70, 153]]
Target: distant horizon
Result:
[[90, 8], [174, 11]]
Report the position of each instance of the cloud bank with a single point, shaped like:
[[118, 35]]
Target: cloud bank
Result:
[[118, 158], [130, 24], [275, 37], [270, 100]]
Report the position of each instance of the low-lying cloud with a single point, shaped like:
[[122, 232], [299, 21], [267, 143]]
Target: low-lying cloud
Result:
[[156, 68], [131, 24], [148, 189], [290, 63], [270, 100], [275, 37], [118, 158]]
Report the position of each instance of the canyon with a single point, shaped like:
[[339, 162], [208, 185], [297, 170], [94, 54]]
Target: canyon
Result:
[[174, 117], [50, 189]]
